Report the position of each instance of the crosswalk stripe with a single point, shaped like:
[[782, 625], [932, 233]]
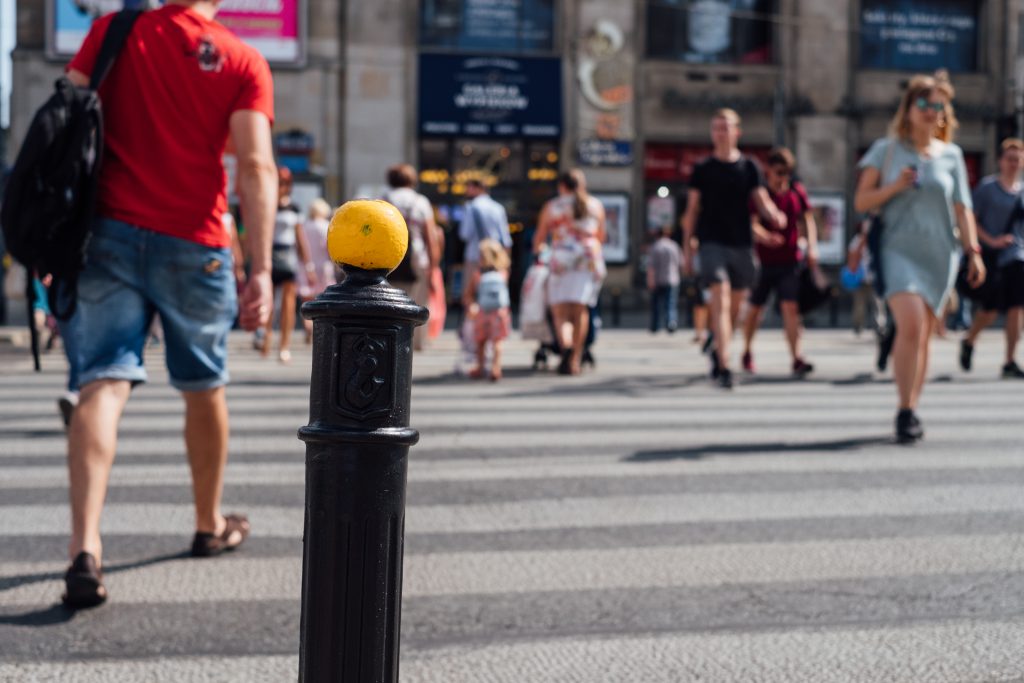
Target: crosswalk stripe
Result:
[[482, 573]]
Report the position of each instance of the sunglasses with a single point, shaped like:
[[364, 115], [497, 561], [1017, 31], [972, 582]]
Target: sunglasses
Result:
[[924, 105]]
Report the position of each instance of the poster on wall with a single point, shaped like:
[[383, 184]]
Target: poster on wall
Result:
[[492, 25], [490, 96], [919, 35], [711, 31], [604, 80], [829, 211], [616, 216], [274, 27]]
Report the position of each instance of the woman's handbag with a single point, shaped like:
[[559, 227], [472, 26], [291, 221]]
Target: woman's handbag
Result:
[[874, 241]]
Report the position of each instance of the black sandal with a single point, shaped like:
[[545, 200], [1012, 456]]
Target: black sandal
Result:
[[565, 367], [83, 583], [236, 530]]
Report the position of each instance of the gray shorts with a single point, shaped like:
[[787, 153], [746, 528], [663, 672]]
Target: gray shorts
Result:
[[722, 263]]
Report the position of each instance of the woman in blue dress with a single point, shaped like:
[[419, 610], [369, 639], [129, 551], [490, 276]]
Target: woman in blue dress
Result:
[[917, 179]]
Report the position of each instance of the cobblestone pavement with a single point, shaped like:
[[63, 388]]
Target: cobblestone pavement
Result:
[[632, 524]]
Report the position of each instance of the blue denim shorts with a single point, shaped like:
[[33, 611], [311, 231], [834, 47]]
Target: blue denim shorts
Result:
[[130, 275]]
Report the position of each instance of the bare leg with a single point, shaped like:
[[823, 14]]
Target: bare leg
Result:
[[700, 322], [206, 440], [982, 319], [268, 330], [580, 322], [563, 321], [1014, 319], [922, 359], [287, 319], [750, 326], [496, 360], [92, 445], [721, 320], [481, 360], [912, 326], [791, 322]]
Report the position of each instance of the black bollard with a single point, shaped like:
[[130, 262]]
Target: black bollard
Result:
[[357, 447]]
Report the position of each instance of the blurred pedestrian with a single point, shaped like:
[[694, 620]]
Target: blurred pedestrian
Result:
[[289, 250], [482, 219], [1000, 217], [413, 274], [778, 250], [917, 178], [319, 272], [492, 319], [664, 264], [575, 222], [182, 87], [721, 190]]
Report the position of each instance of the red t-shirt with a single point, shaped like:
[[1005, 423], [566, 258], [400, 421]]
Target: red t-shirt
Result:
[[794, 203], [166, 106]]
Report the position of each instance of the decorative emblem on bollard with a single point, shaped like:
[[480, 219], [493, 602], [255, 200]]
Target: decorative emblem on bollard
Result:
[[357, 448]]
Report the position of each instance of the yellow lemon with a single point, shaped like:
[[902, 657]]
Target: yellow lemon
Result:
[[368, 233]]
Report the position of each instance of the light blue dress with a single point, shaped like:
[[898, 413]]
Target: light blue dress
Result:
[[920, 245]]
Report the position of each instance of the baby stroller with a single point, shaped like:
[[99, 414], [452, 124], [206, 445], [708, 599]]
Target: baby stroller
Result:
[[537, 323]]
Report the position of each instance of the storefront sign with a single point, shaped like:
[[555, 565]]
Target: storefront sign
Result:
[[604, 78], [711, 31], [919, 35], [492, 25], [274, 27], [486, 97], [294, 150]]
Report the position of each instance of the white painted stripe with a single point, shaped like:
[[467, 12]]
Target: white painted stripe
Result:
[[546, 467], [948, 651], [253, 579], [939, 653], [263, 669], [567, 513]]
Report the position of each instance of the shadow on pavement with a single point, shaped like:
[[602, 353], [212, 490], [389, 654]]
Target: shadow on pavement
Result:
[[698, 452], [58, 614]]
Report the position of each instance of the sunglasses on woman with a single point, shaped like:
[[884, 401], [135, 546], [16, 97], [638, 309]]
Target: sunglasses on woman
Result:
[[924, 105]]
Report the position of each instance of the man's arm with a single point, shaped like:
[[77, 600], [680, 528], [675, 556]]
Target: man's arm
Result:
[[811, 233], [257, 192], [78, 78], [689, 221], [766, 207]]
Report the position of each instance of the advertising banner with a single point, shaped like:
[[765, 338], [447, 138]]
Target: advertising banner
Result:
[[487, 97], [919, 35], [711, 31], [604, 79], [491, 25], [274, 27]]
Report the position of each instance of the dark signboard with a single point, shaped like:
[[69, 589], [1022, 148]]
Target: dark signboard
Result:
[[492, 25], [486, 97], [919, 35], [711, 31]]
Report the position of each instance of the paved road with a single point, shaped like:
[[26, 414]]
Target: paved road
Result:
[[633, 524]]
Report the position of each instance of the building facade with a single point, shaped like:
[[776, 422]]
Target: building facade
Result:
[[516, 90]]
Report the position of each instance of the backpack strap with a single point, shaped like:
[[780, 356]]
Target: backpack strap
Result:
[[113, 41]]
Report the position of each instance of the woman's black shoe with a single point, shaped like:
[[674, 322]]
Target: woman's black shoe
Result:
[[588, 359], [84, 583], [565, 367], [908, 427]]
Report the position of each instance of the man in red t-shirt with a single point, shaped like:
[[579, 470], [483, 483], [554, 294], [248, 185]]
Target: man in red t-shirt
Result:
[[181, 89], [778, 249]]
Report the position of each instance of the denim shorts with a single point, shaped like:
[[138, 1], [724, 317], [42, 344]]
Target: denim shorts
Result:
[[130, 275]]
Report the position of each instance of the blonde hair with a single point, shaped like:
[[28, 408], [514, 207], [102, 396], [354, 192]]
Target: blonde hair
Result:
[[493, 256], [729, 115], [923, 86], [319, 208], [1011, 143]]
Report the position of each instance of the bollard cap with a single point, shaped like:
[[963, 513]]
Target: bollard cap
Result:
[[369, 234]]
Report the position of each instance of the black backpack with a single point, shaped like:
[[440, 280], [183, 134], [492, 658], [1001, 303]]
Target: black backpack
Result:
[[50, 197]]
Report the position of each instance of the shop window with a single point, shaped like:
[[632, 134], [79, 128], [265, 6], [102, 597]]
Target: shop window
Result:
[[711, 31], [488, 25], [919, 35]]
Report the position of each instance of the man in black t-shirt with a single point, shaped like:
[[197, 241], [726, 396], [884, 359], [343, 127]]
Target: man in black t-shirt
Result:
[[717, 210]]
